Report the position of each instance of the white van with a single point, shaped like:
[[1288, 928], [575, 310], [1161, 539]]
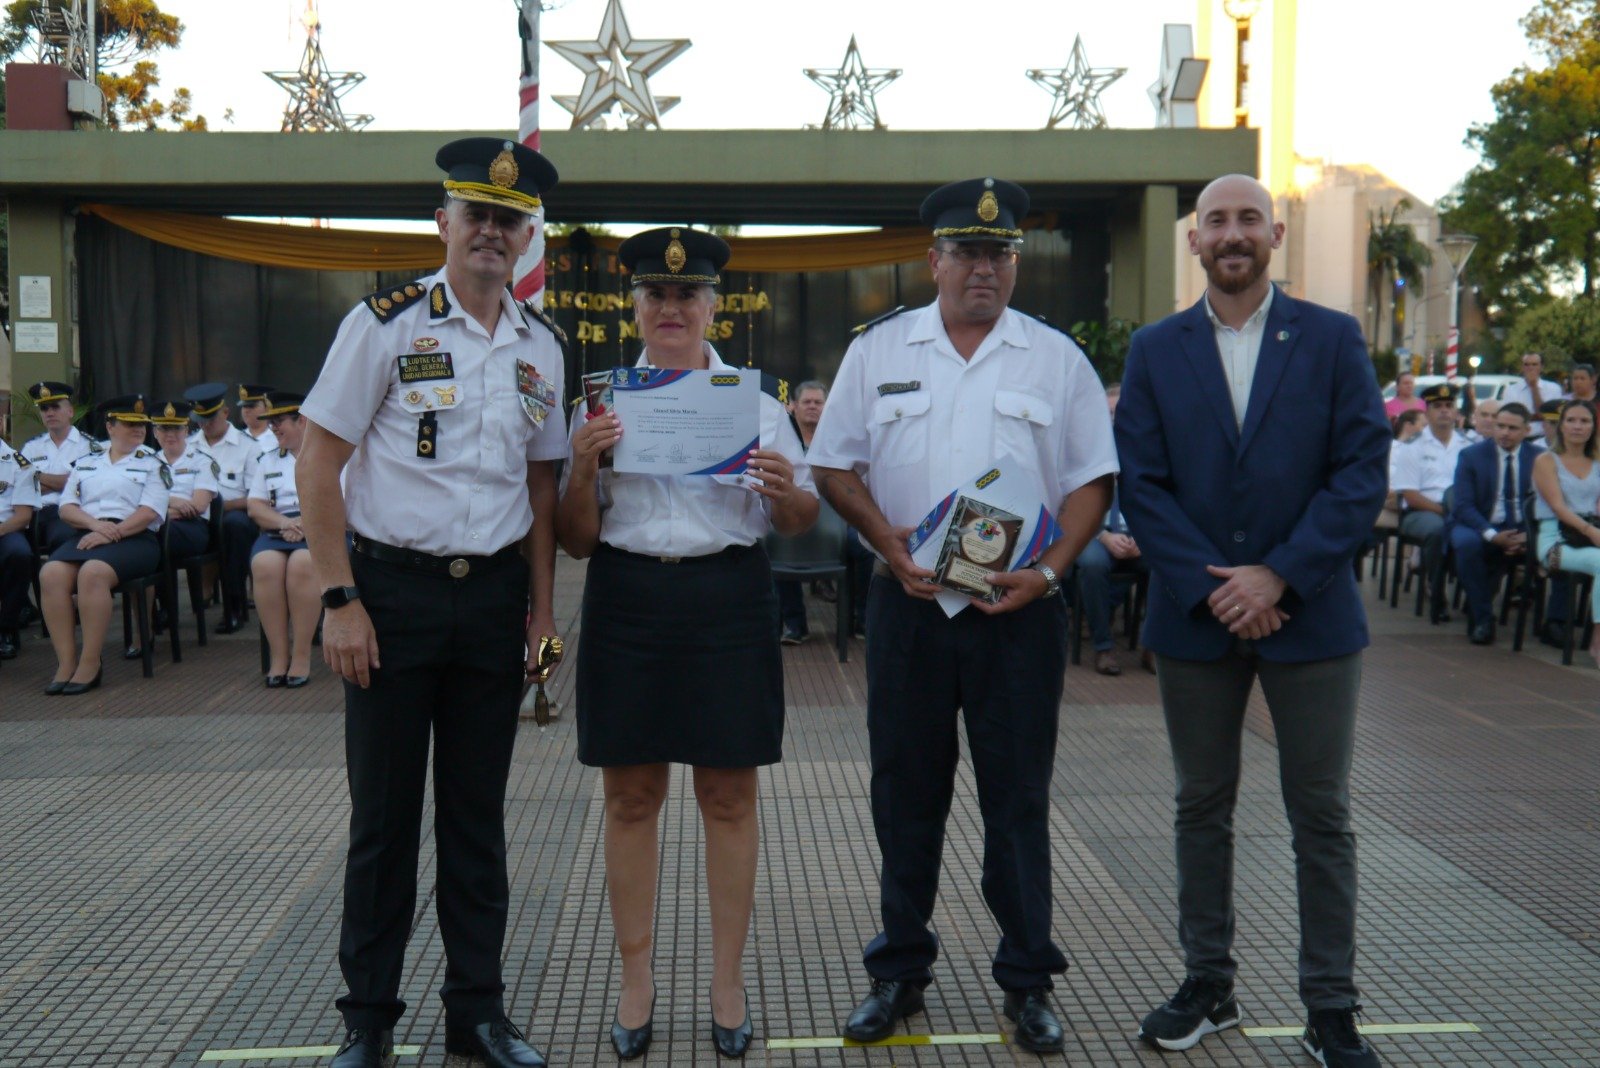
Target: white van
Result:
[[1484, 387]]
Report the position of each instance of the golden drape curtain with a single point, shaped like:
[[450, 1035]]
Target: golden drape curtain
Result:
[[308, 248]]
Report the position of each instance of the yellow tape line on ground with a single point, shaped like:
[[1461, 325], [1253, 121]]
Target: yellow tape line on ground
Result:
[[839, 1042], [284, 1053], [1373, 1029]]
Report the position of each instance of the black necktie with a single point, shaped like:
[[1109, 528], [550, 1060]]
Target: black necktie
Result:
[[1508, 492]]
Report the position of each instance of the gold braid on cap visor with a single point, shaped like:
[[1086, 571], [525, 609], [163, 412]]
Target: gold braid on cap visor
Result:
[[970, 231], [484, 193], [678, 279]]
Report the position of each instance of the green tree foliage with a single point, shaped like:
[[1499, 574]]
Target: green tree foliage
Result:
[[1106, 344], [1394, 256], [127, 34], [1564, 331], [1534, 199]]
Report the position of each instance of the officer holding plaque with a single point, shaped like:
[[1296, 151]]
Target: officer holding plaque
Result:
[[925, 401]]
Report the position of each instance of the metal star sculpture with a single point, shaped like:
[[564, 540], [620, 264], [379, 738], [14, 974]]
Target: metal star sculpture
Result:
[[314, 90], [616, 75], [854, 92], [1077, 88]]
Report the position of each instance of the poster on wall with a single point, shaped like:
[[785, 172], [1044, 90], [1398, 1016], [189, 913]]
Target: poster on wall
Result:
[[33, 296]]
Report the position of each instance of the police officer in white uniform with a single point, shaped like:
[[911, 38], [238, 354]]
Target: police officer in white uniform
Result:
[[52, 455], [19, 496], [194, 480], [252, 409], [1423, 470], [115, 500], [234, 451], [924, 401], [281, 571], [441, 401]]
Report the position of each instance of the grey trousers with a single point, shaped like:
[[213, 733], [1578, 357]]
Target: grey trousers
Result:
[[1313, 707]]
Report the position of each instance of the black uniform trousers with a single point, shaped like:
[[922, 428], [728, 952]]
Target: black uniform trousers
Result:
[[55, 532], [452, 652], [238, 534], [1005, 675], [16, 570]]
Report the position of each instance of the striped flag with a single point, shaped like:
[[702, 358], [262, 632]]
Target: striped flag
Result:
[[529, 274]]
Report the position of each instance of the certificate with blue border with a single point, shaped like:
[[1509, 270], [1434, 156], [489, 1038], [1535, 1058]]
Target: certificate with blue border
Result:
[[686, 422]]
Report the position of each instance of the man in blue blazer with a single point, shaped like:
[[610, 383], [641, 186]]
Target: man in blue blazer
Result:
[[1486, 520], [1254, 455]]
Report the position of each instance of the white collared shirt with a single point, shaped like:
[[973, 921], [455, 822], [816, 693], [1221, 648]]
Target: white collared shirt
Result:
[[48, 458], [1240, 349], [272, 480], [915, 420], [694, 515], [18, 485], [1428, 465], [108, 490], [234, 453], [470, 495], [1520, 392], [261, 442], [192, 472], [1498, 513]]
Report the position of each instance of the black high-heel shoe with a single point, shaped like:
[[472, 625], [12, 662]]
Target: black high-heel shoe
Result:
[[73, 689], [631, 1042], [275, 681], [55, 687], [733, 1041], [294, 682]]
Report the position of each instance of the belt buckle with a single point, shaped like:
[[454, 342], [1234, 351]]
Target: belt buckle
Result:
[[459, 568], [670, 559]]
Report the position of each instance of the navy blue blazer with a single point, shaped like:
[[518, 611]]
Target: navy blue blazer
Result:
[[1298, 488], [1477, 472]]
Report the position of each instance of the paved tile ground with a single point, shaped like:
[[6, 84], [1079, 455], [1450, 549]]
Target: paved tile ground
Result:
[[172, 856]]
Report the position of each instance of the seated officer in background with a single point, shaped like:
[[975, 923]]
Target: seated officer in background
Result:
[[252, 405], [52, 455], [1423, 470], [19, 494], [234, 452]]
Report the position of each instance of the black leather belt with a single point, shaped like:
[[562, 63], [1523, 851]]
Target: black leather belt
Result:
[[454, 566], [881, 569], [721, 554]]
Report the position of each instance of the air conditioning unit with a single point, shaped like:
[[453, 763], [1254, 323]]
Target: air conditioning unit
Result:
[[84, 100]]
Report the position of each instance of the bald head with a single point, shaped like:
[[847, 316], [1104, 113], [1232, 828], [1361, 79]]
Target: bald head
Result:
[[1234, 188], [1234, 236]]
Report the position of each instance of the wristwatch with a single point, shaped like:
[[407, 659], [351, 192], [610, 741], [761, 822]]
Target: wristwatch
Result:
[[339, 596], [1052, 583]]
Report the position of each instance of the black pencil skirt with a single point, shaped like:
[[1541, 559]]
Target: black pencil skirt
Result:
[[679, 662], [132, 557]]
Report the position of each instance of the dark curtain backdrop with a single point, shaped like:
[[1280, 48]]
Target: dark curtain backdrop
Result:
[[157, 319]]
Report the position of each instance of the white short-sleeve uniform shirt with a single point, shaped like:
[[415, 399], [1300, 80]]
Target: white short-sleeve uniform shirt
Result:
[[695, 515], [915, 420], [272, 480], [1427, 465], [234, 452], [192, 472], [18, 485], [108, 490], [410, 357], [48, 458]]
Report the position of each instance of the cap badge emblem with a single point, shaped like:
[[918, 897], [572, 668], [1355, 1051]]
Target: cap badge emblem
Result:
[[988, 207], [169, 412], [503, 171], [138, 407], [675, 255]]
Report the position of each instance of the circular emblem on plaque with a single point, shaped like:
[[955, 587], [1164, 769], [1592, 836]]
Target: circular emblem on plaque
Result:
[[675, 255], [988, 206], [503, 170], [414, 397], [983, 543]]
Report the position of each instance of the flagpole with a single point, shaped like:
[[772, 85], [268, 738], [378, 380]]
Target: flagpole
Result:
[[528, 278]]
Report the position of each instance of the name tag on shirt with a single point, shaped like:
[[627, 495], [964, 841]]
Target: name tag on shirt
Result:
[[426, 367]]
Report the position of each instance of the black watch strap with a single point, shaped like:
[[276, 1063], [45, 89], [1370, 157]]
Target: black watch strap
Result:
[[339, 596]]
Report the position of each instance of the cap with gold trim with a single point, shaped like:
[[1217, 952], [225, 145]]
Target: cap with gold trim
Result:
[[125, 409], [977, 209], [489, 170], [282, 402], [49, 392], [172, 413], [676, 254], [253, 394], [206, 398], [1550, 411], [1439, 391]]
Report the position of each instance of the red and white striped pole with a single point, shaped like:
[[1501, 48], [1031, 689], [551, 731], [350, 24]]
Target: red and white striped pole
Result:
[[528, 277], [1452, 352]]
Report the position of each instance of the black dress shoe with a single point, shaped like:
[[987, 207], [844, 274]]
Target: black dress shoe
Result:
[[9, 644], [228, 625], [890, 1001], [733, 1041], [73, 689], [55, 687], [1554, 633], [275, 681], [365, 1049], [497, 1044], [294, 682], [1482, 633], [133, 652], [1038, 1030], [631, 1042]]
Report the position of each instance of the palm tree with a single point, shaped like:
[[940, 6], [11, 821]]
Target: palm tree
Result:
[[1395, 259]]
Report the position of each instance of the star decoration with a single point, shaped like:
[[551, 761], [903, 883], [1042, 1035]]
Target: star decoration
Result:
[[314, 90], [1175, 93], [616, 74], [853, 90], [1077, 88]]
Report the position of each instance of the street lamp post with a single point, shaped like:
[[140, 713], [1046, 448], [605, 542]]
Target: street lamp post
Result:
[[1457, 247], [1241, 12]]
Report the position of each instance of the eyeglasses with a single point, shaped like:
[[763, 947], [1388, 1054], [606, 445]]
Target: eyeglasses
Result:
[[972, 255]]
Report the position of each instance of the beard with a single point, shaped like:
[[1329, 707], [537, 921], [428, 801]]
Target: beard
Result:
[[1230, 283]]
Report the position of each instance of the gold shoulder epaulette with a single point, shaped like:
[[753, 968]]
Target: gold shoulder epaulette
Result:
[[386, 303], [869, 324]]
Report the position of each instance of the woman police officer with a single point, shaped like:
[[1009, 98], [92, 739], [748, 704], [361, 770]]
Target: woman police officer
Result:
[[280, 566], [117, 498], [680, 590]]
